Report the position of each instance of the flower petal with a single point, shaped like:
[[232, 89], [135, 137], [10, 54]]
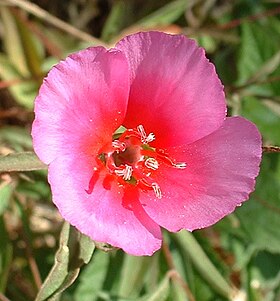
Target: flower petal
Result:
[[81, 103], [104, 215], [220, 174], [175, 91]]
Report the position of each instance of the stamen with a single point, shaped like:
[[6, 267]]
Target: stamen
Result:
[[130, 157], [152, 163], [126, 172], [142, 132], [119, 145], [151, 137], [157, 190], [180, 165], [144, 138], [119, 172]]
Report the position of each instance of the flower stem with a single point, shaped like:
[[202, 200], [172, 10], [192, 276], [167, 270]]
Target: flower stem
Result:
[[271, 149]]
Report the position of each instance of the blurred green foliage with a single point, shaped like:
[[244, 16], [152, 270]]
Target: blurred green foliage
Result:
[[238, 258]]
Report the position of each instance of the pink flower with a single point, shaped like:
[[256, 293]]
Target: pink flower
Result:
[[180, 163]]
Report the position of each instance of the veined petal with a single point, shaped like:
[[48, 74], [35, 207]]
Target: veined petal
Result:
[[81, 103], [175, 91], [220, 174], [105, 215]]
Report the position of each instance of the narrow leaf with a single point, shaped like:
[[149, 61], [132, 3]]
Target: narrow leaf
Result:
[[86, 248], [132, 275], [161, 293], [264, 206], [202, 263], [268, 67], [24, 161], [60, 268], [12, 41], [33, 57], [165, 15], [74, 251], [22, 89], [16, 137], [265, 119], [5, 194], [177, 292], [115, 21], [92, 278], [6, 256], [257, 48]]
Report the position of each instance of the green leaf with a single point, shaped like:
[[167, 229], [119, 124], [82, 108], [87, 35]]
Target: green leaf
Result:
[[86, 248], [24, 161], [259, 55], [116, 19], [20, 45], [5, 194], [185, 268], [155, 272], [23, 63], [165, 15], [6, 251], [12, 42], [33, 56], [265, 269], [132, 275], [17, 138], [260, 216], [92, 278], [257, 47], [59, 270], [267, 68], [202, 263], [266, 120], [161, 293], [75, 250], [24, 91], [177, 292]]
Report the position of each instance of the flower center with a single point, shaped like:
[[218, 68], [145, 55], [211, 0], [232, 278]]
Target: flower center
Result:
[[132, 160]]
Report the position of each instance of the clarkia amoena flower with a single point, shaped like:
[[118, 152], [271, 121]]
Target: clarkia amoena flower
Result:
[[136, 138]]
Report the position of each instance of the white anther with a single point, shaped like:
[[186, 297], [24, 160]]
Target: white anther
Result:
[[180, 165], [119, 172], [157, 190], [144, 138], [125, 173], [141, 130], [152, 163], [151, 137], [128, 173], [119, 145]]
